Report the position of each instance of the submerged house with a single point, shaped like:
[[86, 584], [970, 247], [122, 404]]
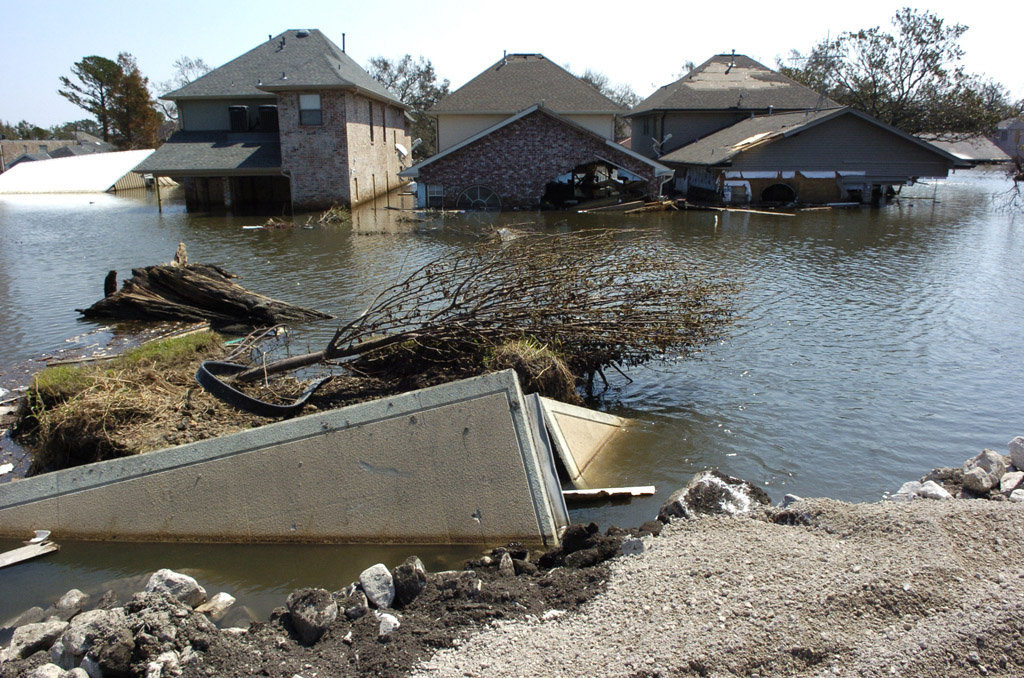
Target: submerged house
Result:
[[293, 123], [524, 133], [1009, 137], [737, 132]]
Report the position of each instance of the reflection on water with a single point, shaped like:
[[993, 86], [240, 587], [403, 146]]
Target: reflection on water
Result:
[[872, 345]]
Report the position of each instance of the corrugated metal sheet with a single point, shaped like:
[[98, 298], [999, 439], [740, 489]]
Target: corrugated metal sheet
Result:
[[96, 173]]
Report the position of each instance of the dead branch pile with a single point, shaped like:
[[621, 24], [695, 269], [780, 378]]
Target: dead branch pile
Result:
[[183, 291], [597, 299]]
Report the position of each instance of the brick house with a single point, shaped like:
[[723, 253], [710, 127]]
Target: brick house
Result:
[[294, 123], [525, 133]]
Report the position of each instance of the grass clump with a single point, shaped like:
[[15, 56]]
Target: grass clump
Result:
[[539, 368], [79, 414]]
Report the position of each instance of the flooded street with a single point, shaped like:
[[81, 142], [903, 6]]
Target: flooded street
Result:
[[872, 345]]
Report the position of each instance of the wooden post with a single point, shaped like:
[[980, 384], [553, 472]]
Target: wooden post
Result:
[[156, 184]]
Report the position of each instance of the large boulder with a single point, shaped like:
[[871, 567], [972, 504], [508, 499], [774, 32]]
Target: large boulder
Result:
[[992, 466], [181, 586], [712, 492], [932, 490], [105, 637], [312, 613], [1017, 452], [378, 585], [217, 607], [410, 578], [31, 638], [46, 671]]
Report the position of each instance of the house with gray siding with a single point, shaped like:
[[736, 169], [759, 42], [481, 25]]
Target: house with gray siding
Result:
[[1009, 137], [832, 155], [294, 123], [722, 91]]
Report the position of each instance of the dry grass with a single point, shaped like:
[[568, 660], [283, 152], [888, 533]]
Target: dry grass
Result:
[[81, 414], [540, 369]]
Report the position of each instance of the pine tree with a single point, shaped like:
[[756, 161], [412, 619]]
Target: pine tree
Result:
[[97, 77]]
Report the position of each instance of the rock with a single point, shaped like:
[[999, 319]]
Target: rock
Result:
[[505, 566], [31, 638], [166, 665], [312, 613], [46, 671], [1011, 481], [932, 490], [91, 668], [1017, 452], [1017, 495], [583, 558], [652, 527], [76, 673], [181, 586], [102, 637], [410, 578], [72, 600], [632, 546], [60, 656], [388, 624], [32, 615], [215, 608], [523, 566], [910, 487], [357, 606], [978, 480], [792, 499], [712, 492], [378, 585], [456, 583]]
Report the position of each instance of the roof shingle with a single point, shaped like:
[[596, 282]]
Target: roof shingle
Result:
[[519, 81], [735, 82], [294, 59], [203, 152]]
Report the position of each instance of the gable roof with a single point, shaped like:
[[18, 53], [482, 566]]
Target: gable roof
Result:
[[413, 172], [733, 82], [973, 148], [295, 59], [518, 81], [722, 146]]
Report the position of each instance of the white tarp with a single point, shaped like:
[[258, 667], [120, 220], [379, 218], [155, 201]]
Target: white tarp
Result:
[[93, 173]]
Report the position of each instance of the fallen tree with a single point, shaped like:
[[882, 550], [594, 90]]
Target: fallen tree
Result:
[[182, 291], [597, 300]]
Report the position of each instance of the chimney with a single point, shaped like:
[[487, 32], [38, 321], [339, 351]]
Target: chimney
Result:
[[342, 42]]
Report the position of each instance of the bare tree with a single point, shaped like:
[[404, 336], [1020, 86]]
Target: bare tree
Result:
[[186, 69]]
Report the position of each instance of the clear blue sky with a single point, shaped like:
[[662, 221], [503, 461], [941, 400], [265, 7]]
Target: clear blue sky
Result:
[[642, 44]]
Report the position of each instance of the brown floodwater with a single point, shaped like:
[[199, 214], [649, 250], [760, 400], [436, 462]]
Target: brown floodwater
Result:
[[873, 345]]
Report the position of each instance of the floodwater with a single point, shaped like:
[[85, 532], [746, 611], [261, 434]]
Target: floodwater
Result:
[[873, 345]]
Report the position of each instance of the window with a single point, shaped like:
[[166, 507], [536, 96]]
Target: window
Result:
[[435, 196], [310, 112], [369, 105]]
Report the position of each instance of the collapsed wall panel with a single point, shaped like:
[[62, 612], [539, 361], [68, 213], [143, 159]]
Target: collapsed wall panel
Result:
[[450, 464], [578, 434]]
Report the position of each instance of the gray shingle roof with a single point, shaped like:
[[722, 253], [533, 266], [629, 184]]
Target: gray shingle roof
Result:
[[974, 148], [519, 81], [286, 61], [211, 152], [722, 146], [733, 82]]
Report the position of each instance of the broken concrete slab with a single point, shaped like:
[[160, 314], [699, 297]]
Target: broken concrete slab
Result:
[[578, 435], [454, 463]]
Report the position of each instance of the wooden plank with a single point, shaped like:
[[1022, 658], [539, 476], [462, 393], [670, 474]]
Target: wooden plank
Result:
[[29, 552], [737, 209], [609, 493], [612, 208]]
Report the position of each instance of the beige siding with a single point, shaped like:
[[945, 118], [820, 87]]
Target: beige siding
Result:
[[849, 144]]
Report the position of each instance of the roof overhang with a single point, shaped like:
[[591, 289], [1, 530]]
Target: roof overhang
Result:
[[219, 173], [299, 87], [494, 112]]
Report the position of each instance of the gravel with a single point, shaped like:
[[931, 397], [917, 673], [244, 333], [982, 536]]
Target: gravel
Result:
[[819, 588]]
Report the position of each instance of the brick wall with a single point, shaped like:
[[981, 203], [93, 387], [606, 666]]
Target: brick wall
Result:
[[518, 160], [315, 156], [374, 163]]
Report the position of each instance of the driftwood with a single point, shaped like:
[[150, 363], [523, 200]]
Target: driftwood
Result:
[[183, 291]]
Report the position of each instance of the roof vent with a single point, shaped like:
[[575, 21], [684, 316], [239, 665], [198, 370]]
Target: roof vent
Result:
[[303, 33]]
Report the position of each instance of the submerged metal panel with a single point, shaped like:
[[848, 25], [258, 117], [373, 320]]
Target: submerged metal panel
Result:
[[450, 464], [579, 435]]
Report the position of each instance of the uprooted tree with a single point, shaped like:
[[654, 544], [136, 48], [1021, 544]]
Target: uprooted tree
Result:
[[597, 300]]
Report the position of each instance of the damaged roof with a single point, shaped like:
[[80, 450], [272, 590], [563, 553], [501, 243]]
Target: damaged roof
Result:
[[736, 82], [518, 81], [198, 153], [973, 148], [295, 59], [719, 148]]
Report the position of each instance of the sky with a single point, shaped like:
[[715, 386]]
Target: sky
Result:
[[644, 45]]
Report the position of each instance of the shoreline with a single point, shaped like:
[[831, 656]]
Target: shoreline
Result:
[[809, 587]]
